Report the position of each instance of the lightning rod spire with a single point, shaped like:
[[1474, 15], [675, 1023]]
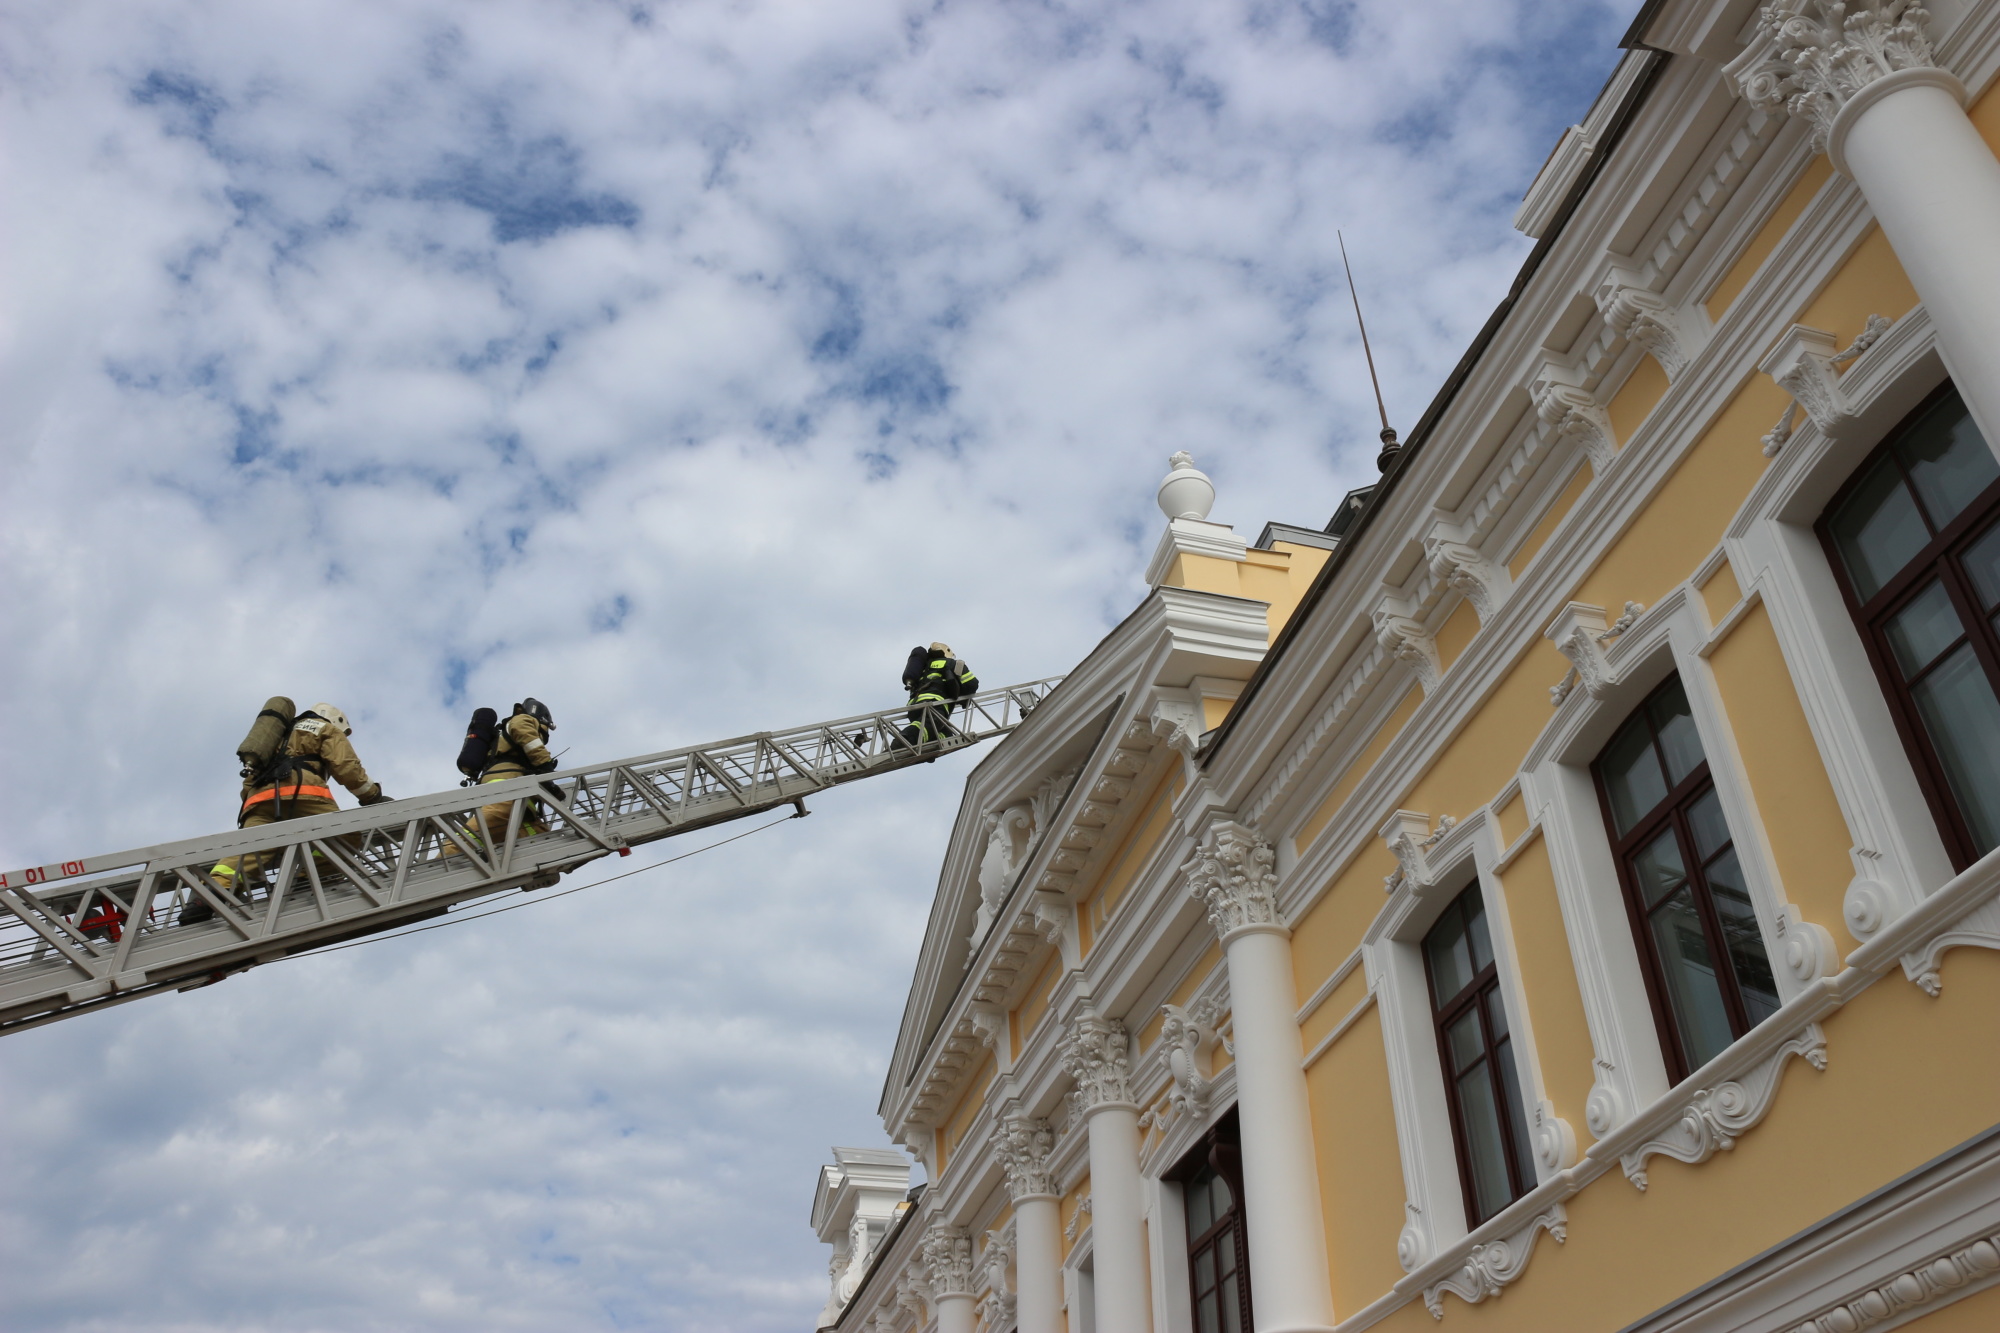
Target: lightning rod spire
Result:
[[1390, 448]]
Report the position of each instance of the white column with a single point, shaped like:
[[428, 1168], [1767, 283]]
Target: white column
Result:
[[948, 1257], [1098, 1057], [1290, 1287], [1024, 1146], [1895, 123]]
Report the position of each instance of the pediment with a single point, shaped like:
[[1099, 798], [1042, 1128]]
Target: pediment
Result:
[[1039, 812]]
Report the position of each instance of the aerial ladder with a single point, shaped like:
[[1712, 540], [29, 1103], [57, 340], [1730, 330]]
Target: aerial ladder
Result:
[[77, 936]]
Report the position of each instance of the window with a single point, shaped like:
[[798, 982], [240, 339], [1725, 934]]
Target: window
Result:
[[1477, 1051], [1218, 1253], [1706, 970], [1913, 540]]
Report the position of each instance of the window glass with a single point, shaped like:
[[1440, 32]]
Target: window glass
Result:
[[1923, 629], [1659, 869], [1200, 1212], [1711, 831], [1218, 1276], [1232, 1303], [1486, 1146], [1948, 460], [1747, 959], [1680, 745], [1982, 562], [1693, 990], [1962, 718], [1877, 529], [1632, 775], [1458, 947]]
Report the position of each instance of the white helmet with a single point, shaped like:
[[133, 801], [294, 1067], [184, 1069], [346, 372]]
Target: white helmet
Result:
[[333, 715]]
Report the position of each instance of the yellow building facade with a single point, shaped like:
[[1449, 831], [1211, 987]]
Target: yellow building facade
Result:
[[1560, 894]]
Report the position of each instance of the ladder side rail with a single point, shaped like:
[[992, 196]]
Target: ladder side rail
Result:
[[389, 861]]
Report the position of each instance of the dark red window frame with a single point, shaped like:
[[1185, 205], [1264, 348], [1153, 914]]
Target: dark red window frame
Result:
[[1225, 1241], [1672, 811], [1938, 560], [1481, 994]]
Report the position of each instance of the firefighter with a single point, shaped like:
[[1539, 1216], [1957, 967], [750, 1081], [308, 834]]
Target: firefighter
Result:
[[292, 786], [520, 747], [936, 680]]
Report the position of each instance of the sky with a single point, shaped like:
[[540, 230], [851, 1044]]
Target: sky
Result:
[[680, 365]]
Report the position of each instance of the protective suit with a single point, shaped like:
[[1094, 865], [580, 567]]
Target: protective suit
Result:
[[294, 787], [936, 679], [520, 747]]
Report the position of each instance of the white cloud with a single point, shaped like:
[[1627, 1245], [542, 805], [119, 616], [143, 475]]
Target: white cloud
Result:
[[679, 365]]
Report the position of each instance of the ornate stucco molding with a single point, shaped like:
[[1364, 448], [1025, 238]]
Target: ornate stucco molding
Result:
[[1491, 1266], [1023, 1146], [1804, 365], [1909, 1290], [1567, 412], [1410, 837], [1644, 317], [947, 1252], [997, 1307], [1461, 566], [1190, 1035], [1235, 876], [1711, 1119], [912, 1293], [1098, 1056], [1405, 637], [1814, 58]]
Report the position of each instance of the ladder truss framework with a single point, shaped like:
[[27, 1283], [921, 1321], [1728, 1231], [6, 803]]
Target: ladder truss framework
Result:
[[79, 935]]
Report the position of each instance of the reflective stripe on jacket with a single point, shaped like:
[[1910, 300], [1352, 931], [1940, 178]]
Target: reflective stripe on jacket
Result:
[[291, 793], [517, 749]]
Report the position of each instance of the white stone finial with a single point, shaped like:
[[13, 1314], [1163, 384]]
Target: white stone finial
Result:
[[1186, 492]]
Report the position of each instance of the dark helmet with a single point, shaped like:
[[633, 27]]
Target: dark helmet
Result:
[[538, 710]]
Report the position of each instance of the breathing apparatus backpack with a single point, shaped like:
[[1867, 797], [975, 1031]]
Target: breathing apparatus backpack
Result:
[[264, 744], [478, 744]]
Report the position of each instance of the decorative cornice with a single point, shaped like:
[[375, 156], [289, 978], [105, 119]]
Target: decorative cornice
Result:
[[1493, 1265], [1813, 57], [1712, 1119], [1235, 876], [1023, 1145], [1098, 1056], [1909, 1289], [947, 1252]]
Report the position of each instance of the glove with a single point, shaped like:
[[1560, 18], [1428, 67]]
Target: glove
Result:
[[548, 766], [375, 795]]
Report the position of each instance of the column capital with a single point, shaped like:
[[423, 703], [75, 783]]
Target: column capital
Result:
[[1235, 875], [1098, 1056], [947, 1252], [1023, 1145], [1817, 57]]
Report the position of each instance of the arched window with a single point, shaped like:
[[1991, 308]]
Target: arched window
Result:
[[1917, 551], [1703, 954], [1476, 1048]]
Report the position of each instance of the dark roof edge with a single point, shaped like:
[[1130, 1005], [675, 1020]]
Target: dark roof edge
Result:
[[1635, 36], [1420, 434]]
